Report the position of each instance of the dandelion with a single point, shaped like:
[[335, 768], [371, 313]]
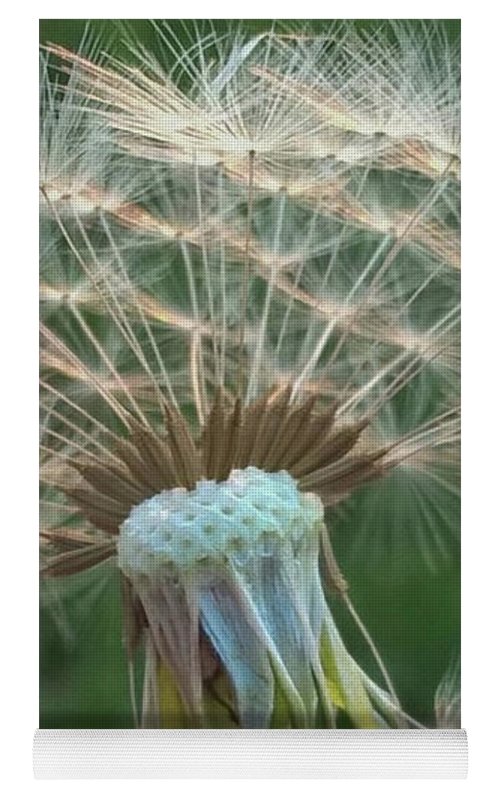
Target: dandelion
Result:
[[250, 309]]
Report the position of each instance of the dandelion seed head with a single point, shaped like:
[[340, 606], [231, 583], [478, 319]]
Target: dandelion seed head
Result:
[[249, 315]]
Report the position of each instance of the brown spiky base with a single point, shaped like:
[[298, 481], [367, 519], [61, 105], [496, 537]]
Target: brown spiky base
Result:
[[271, 434]]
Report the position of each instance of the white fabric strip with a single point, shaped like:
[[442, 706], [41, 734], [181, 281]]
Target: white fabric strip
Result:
[[250, 754]]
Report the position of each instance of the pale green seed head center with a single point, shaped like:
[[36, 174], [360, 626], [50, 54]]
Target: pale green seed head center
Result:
[[251, 513]]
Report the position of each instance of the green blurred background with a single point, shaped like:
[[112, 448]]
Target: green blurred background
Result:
[[411, 610]]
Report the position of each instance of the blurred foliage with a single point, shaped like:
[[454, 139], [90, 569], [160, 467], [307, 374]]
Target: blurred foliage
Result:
[[69, 32], [411, 610]]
